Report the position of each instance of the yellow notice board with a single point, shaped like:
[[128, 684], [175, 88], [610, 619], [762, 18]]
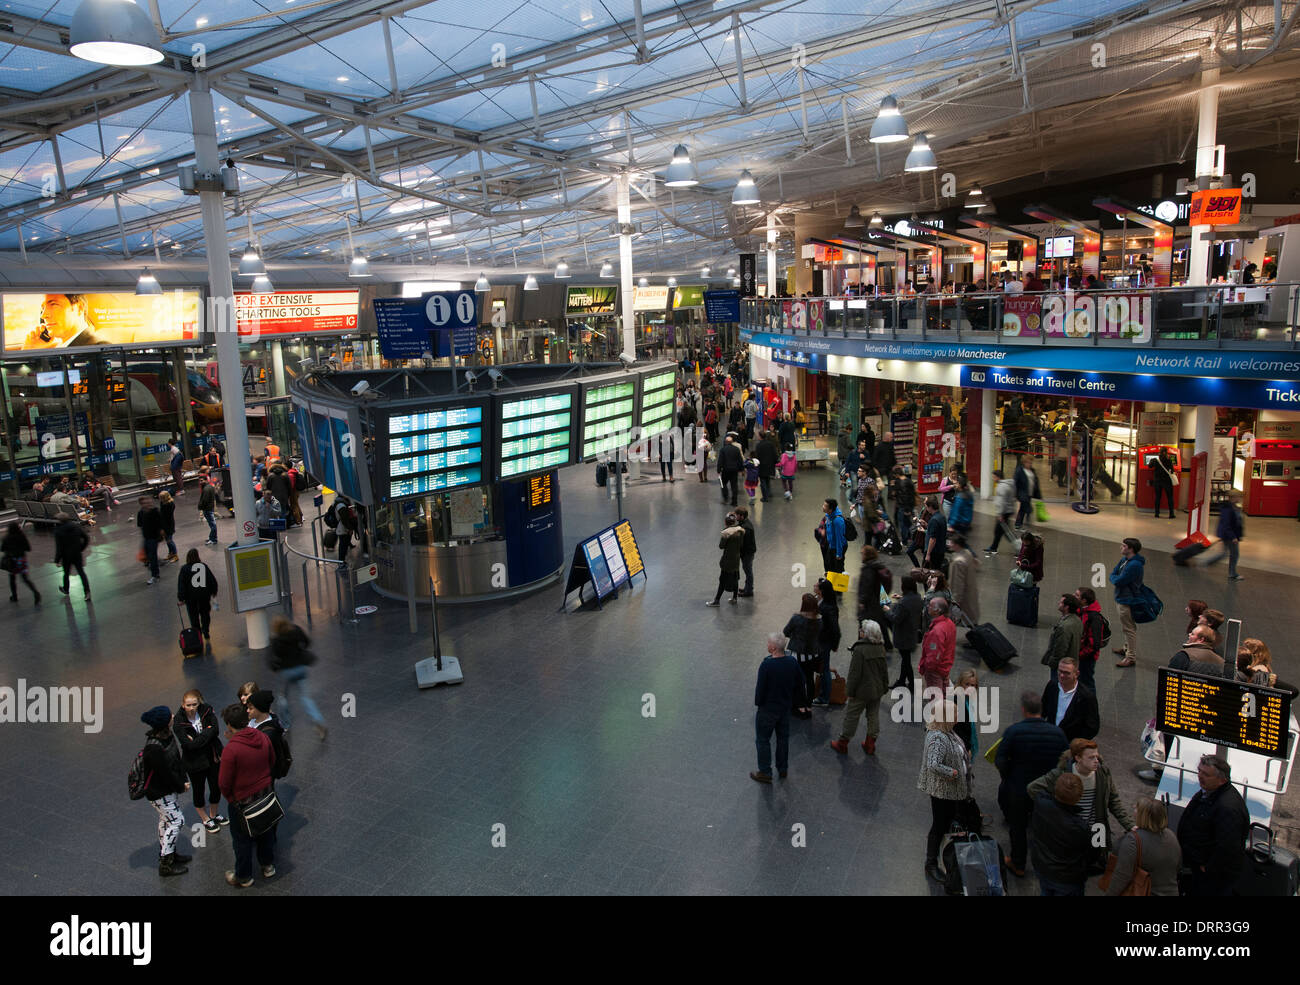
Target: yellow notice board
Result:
[[627, 544], [253, 573]]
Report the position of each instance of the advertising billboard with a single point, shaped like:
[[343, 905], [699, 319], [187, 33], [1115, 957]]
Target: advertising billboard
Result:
[[296, 312], [599, 300], [72, 322]]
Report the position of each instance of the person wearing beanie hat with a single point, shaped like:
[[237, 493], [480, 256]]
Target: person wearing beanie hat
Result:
[[260, 717], [164, 779]]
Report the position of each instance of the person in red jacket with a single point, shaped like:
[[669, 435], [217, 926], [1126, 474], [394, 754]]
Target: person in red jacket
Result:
[[938, 649], [1091, 641], [246, 766]]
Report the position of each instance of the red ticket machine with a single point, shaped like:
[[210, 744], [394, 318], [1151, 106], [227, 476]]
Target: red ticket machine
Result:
[[1145, 494], [1272, 479]]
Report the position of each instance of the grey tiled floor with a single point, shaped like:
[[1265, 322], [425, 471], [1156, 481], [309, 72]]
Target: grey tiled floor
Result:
[[546, 736]]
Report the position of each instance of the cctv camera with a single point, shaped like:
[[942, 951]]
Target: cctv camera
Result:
[[626, 360], [306, 364], [471, 378], [361, 387], [496, 374]]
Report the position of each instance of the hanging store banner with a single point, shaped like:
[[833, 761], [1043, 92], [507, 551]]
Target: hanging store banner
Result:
[[600, 300], [296, 313], [1216, 207], [749, 275], [78, 322]]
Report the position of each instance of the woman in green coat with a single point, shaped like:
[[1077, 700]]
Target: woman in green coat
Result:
[[867, 684]]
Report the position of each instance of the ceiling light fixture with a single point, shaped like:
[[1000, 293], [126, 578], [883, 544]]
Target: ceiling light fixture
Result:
[[876, 220], [530, 283], [975, 197], [920, 157], [114, 32], [147, 285], [746, 192], [607, 269], [681, 171], [643, 282], [262, 284], [672, 281], [705, 271], [360, 266], [854, 219], [562, 271], [890, 127], [481, 286]]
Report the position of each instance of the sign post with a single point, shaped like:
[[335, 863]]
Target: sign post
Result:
[[440, 668]]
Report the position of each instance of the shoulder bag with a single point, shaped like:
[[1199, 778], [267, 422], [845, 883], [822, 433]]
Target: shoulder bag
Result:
[[261, 812], [1141, 882]]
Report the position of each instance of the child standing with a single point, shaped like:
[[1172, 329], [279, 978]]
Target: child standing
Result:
[[789, 465], [751, 478]]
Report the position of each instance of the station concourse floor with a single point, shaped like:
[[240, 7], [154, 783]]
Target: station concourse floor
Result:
[[546, 736]]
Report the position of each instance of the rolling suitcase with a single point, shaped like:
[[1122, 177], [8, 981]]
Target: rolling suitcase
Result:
[[1022, 605], [1269, 870], [994, 648], [191, 640], [1184, 557]]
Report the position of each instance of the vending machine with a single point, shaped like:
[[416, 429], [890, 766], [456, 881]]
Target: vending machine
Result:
[[1270, 481]]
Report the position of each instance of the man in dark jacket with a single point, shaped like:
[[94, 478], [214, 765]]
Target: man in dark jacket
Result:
[[767, 454], [1128, 578], [936, 537], [1062, 840], [1212, 832], [69, 543], [246, 765], [1230, 531], [883, 458], [779, 688], [748, 548], [1029, 748], [260, 717], [857, 458], [164, 778], [149, 520], [730, 462], [1197, 654], [1069, 705], [902, 493], [1026, 490], [208, 505]]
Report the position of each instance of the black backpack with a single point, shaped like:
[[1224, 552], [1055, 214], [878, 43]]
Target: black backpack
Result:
[[850, 531], [332, 516], [283, 757], [300, 480], [136, 780]]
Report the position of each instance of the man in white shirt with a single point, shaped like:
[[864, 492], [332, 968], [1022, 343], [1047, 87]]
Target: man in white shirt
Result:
[[1070, 705]]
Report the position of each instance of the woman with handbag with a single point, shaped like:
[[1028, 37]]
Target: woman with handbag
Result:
[[875, 582], [804, 632], [195, 728], [945, 776], [1030, 558], [1147, 859], [290, 657], [829, 610], [13, 558], [1163, 480], [246, 781]]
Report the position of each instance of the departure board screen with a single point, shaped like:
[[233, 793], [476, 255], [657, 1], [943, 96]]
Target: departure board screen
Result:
[[608, 416], [536, 431], [658, 397], [431, 450], [540, 491], [1222, 711]]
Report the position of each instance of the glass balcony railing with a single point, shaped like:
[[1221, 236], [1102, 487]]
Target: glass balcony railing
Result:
[[1263, 316]]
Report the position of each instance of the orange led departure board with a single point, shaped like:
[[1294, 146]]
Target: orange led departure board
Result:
[[539, 491], [1222, 711]]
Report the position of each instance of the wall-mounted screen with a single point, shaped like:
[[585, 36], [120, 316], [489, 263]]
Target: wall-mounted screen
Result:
[[426, 451], [536, 431], [658, 401], [79, 321], [608, 415]]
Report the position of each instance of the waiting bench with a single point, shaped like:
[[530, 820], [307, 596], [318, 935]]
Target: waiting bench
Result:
[[161, 475], [38, 513]]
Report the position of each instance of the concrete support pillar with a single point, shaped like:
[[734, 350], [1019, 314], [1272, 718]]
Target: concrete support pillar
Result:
[[988, 441], [1205, 421], [278, 386], [625, 266], [221, 322], [772, 234], [1198, 269]]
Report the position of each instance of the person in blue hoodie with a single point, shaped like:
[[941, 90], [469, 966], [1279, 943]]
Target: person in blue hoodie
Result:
[[1127, 579], [830, 536], [963, 508]]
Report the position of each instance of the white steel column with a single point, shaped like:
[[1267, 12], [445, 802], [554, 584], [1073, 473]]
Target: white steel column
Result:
[[625, 266], [772, 234], [221, 322], [1205, 421], [988, 418], [1198, 269]]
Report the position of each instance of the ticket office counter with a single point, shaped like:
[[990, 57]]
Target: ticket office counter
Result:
[[494, 540]]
